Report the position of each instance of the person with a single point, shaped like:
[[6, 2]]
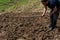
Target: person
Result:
[[54, 5]]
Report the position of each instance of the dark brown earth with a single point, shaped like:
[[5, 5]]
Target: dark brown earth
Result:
[[27, 26]]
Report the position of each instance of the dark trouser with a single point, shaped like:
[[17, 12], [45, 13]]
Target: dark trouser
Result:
[[53, 18]]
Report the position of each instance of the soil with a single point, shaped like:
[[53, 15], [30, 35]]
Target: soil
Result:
[[27, 26]]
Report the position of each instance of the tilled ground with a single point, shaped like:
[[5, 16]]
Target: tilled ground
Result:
[[27, 26]]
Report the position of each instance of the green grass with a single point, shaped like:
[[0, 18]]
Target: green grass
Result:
[[4, 4], [11, 4]]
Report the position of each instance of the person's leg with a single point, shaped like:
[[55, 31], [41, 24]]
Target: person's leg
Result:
[[53, 19]]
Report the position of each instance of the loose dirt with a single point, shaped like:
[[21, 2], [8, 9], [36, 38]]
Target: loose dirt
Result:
[[27, 26]]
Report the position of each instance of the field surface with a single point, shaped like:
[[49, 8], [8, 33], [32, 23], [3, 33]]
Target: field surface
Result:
[[24, 22]]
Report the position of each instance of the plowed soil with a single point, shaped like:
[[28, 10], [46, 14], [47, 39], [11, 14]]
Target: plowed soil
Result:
[[27, 26]]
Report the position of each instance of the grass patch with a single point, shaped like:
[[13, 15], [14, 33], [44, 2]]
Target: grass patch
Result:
[[9, 5]]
